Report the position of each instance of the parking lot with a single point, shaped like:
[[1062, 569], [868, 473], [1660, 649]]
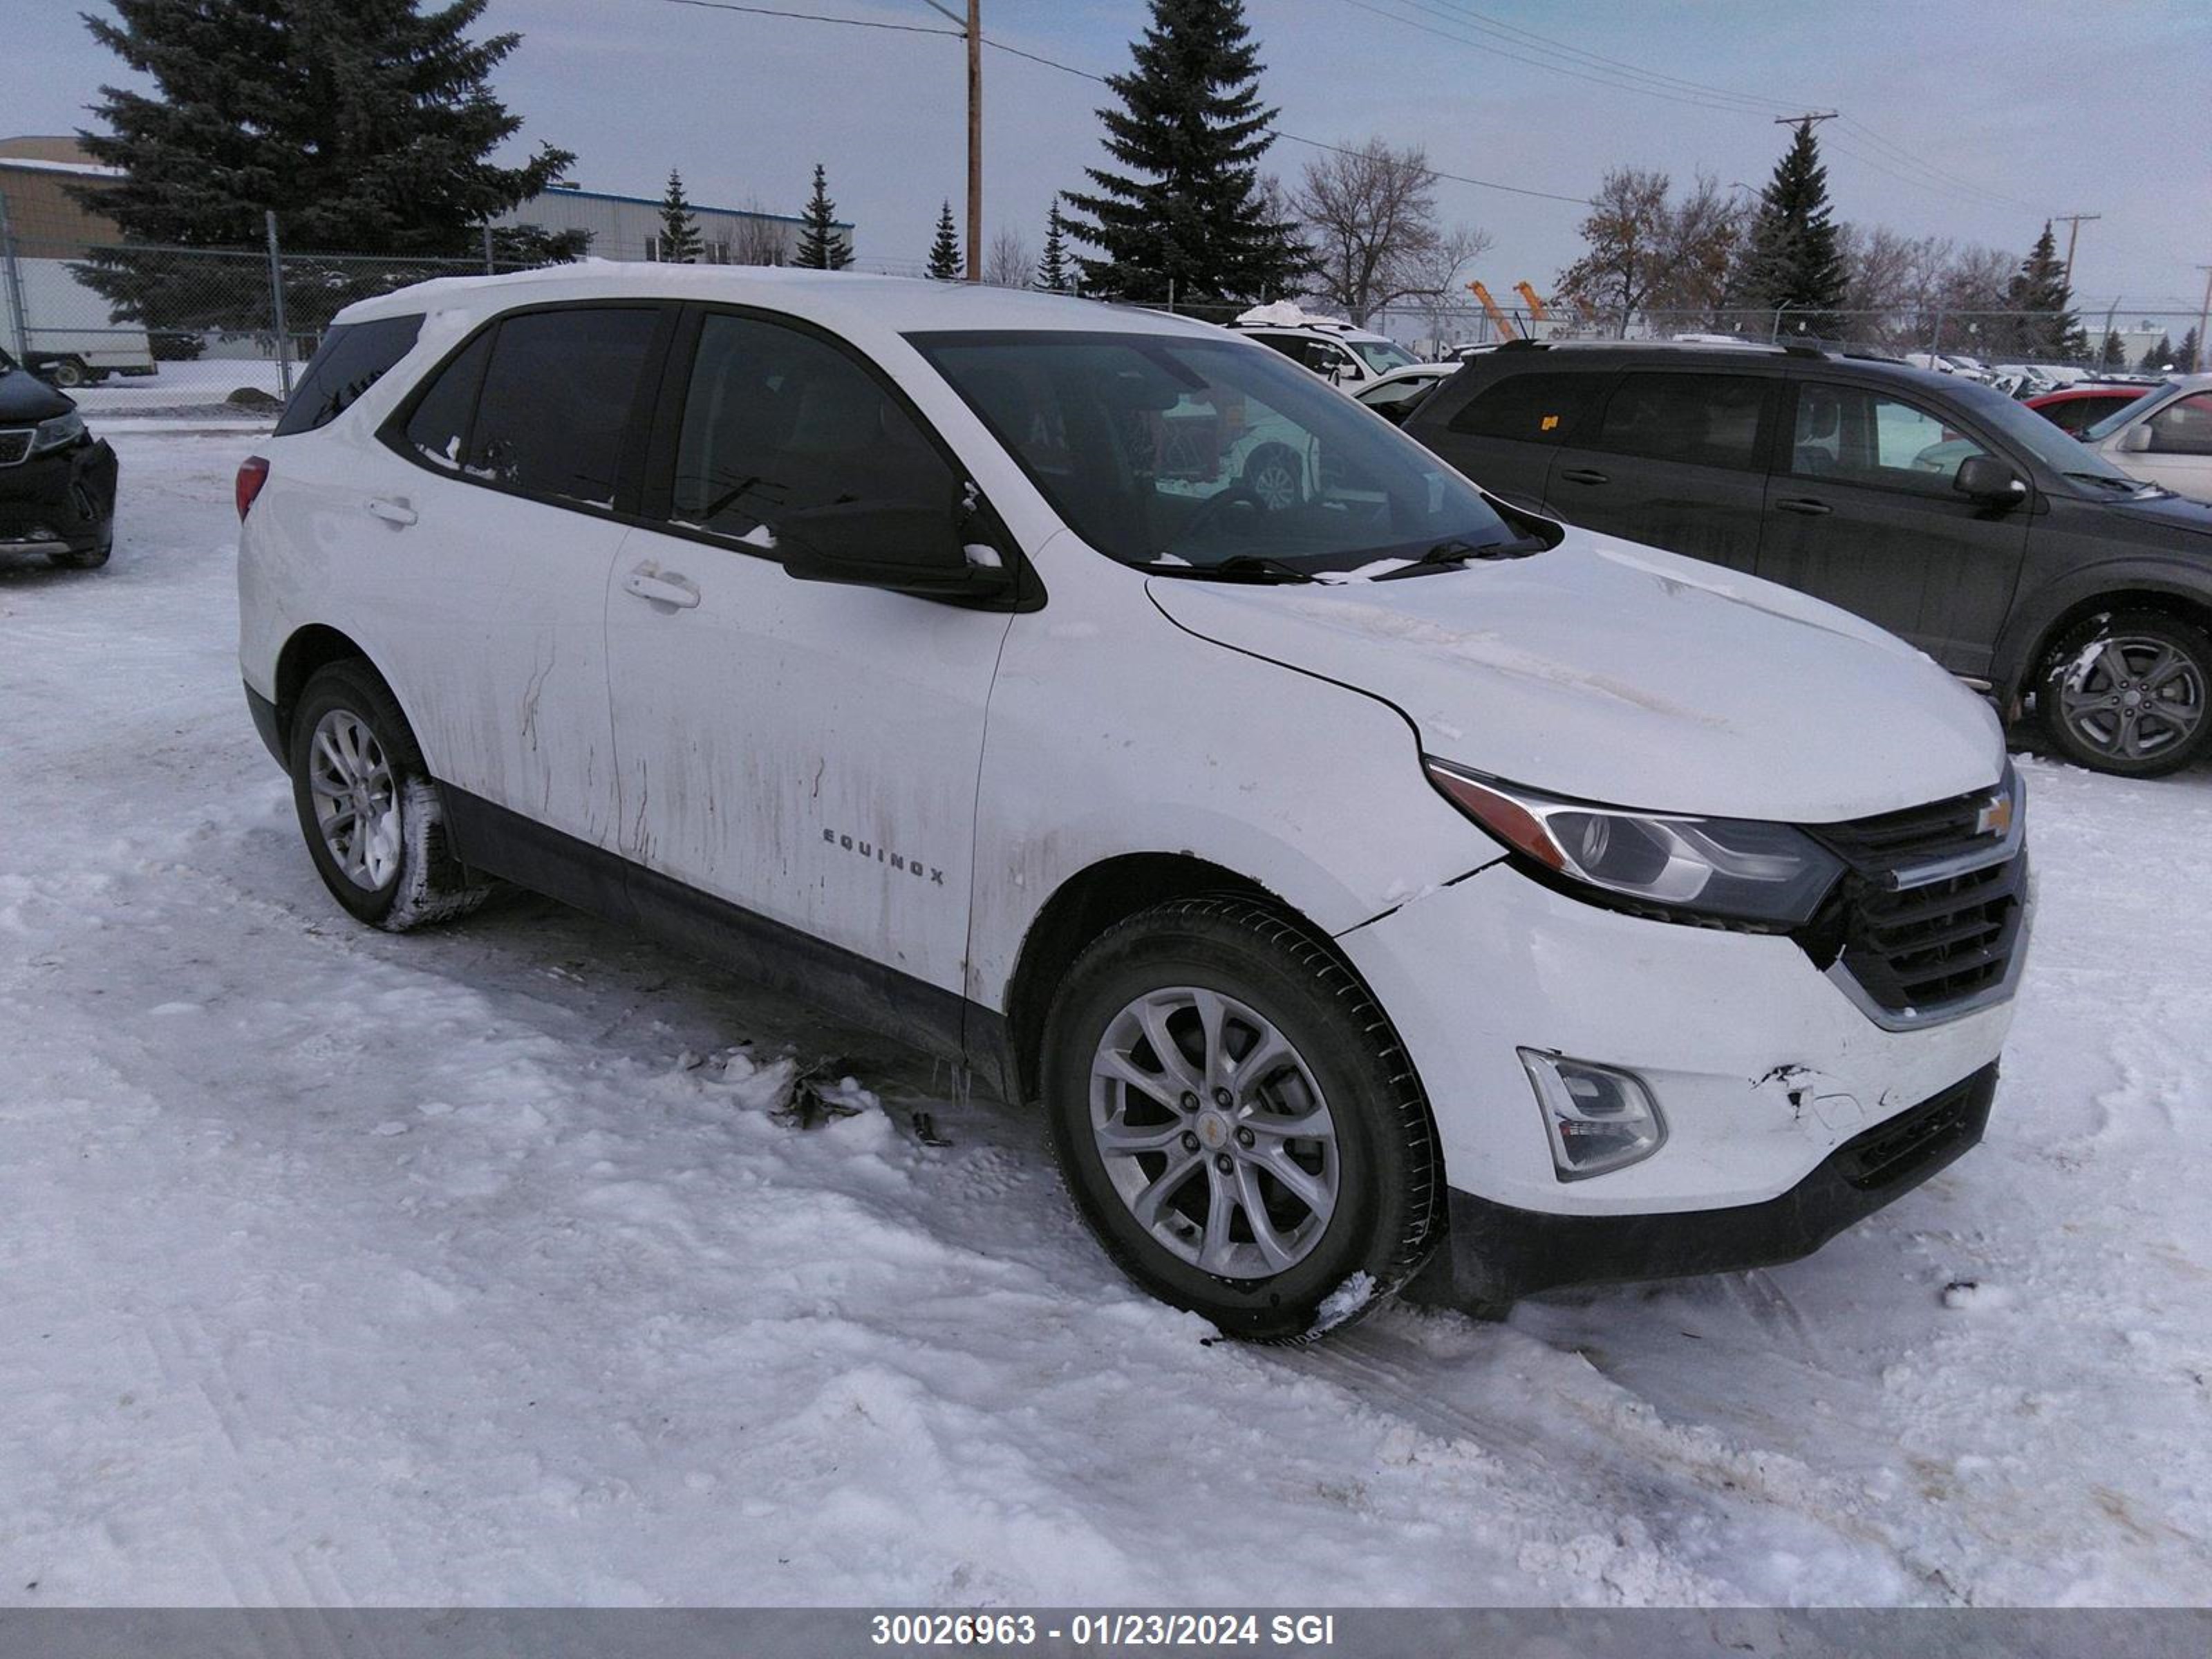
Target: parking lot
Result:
[[480, 1266]]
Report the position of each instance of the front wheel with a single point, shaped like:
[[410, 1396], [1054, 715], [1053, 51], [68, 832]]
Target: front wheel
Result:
[[1274, 476], [372, 816], [1236, 1121], [2127, 694]]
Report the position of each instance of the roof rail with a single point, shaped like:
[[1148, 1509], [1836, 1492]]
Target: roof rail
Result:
[[1523, 343]]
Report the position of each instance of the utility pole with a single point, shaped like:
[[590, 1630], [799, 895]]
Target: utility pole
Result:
[[972, 26], [975, 141], [1811, 118], [2073, 224], [2204, 316]]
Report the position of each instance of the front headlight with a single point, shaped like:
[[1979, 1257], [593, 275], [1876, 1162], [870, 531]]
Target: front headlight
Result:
[[1695, 869], [59, 432]]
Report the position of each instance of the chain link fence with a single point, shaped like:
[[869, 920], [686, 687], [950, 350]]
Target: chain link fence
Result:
[[195, 321]]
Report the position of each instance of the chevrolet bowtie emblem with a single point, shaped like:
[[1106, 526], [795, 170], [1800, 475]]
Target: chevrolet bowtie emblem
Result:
[[1996, 818]]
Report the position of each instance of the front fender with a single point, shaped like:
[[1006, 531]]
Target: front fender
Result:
[[2030, 625]]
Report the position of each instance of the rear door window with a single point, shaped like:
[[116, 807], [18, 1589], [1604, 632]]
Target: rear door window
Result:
[[439, 426], [556, 402], [1705, 419], [352, 358], [1541, 408]]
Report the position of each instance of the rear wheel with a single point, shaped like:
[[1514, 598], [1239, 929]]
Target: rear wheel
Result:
[[371, 815], [2127, 694], [1236, 1121], [71, 373]]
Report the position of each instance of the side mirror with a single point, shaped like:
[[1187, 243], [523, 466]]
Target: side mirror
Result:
[[2136, 441], [905, 550], [1985, 478]]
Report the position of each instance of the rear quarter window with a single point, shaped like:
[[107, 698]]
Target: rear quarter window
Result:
[[1537, 407], [352, 358]]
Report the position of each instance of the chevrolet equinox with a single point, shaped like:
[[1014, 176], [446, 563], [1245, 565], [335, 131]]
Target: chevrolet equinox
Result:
[[1375, 884]]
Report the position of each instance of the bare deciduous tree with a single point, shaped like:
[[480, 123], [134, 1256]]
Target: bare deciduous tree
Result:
[[1370, 217], [1008, 264], [759, 240], [1700, 237]]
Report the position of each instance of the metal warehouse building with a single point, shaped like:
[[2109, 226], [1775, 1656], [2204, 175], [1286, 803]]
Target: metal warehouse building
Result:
[[629, 226]]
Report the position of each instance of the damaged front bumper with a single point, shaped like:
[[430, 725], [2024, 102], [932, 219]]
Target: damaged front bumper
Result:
[[62, 502]]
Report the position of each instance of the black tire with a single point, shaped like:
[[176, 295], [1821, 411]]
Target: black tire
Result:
[[2161, 662], [1388, 1209], [413, 878], [71, 373], [90, 558]]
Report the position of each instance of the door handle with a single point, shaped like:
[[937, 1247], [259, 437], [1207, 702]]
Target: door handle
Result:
[[649, 581], [1805, 505], [1583, 475], [392, 511]]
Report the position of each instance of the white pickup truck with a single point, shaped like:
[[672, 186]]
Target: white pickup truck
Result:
[[57, 327]]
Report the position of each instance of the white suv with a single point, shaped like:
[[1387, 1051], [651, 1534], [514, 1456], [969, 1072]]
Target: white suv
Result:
[[1367, 880]]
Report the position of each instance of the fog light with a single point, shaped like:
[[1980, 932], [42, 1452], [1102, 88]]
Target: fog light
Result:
[[1598, 1118]]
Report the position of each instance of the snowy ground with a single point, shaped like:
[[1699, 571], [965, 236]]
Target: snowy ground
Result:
[[342, 1268]]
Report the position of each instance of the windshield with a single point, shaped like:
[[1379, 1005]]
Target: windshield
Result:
[[2023, 429], [2105, 428], [1381, 356], [1189, 453]]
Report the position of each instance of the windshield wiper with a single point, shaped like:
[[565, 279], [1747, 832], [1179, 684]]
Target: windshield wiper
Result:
[[1243, 567], [2131, 485], [1457, 550]]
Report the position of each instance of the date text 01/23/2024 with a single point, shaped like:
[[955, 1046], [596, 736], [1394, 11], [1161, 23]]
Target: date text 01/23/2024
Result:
[[1130, 1629]]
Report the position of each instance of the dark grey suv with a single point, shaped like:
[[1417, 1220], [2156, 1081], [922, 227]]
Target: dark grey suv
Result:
[[1940, 510]]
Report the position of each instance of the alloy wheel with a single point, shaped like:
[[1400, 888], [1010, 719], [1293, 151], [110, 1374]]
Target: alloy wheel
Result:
[[2134, 697], [357, 799], [1214, 1132]]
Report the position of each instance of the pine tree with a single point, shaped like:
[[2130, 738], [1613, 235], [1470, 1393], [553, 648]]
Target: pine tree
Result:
[[1055, 273], [1793, 266], [2157, 356], [2044, 328], [822, 244], [945, 262], [2184, 354], [365, 125], [2115, 354], [679, 232], [1187, 217]]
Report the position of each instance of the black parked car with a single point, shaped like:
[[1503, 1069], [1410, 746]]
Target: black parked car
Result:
[[56, 480], [1935, 507]]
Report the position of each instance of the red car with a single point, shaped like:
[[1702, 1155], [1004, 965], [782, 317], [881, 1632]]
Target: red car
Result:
[[2075, 409]]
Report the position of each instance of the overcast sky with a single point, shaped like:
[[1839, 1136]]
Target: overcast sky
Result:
[[1968, 121]]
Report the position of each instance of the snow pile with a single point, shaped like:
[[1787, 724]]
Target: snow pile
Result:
[[494, 1264]]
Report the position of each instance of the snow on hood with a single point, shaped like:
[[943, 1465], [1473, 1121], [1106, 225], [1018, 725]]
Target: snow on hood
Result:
[[1613, 673]]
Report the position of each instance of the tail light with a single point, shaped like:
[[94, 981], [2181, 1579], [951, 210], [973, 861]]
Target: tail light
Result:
[[252, 473]]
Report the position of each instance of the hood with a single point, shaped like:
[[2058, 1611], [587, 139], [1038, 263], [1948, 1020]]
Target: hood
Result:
[[24, 397], [1616, 673], [2169, 512]]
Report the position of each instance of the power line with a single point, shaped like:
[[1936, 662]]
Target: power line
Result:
[[816, 17], [1544, 43], [1612, 73], [1086, 74], [1292, 137]]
